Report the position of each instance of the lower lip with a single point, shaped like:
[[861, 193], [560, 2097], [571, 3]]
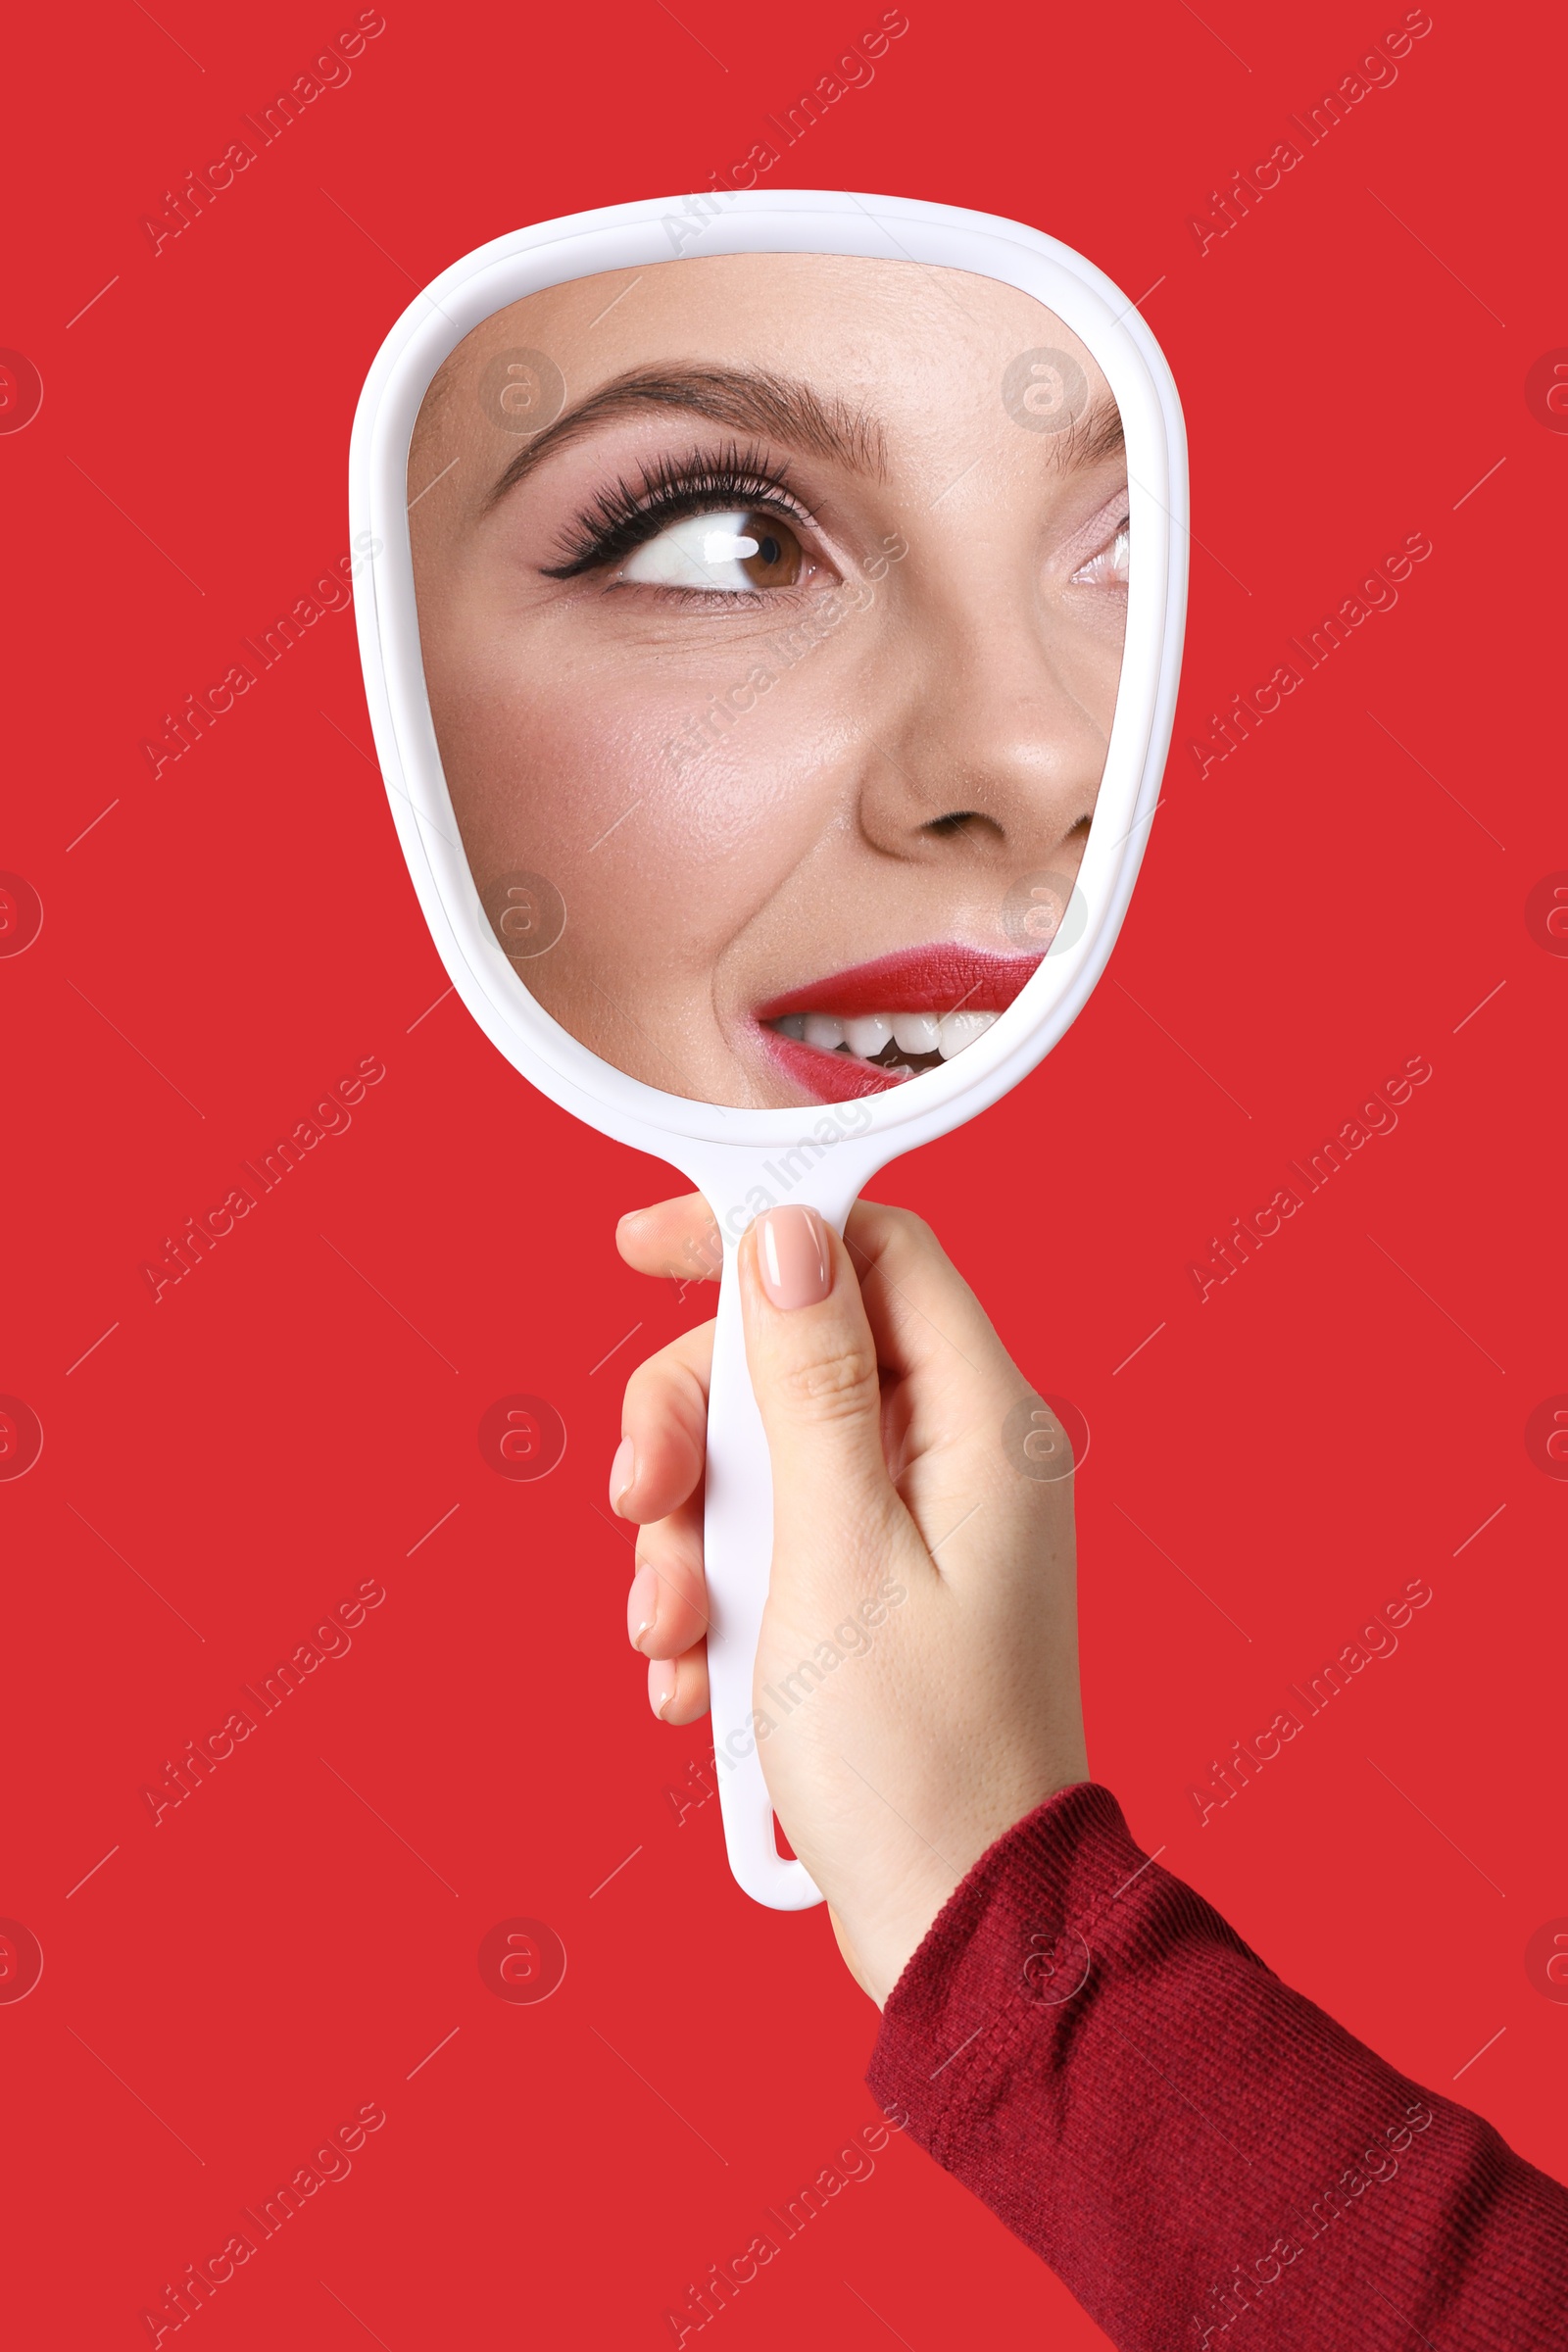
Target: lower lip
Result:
[[827, 1077]]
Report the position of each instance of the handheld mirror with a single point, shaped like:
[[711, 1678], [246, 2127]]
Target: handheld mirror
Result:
[[771, 645]]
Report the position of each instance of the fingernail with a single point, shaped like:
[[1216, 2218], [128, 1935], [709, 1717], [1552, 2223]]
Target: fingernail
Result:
[[793, 1257], [661, 1684], [642, 1604], [622, 1474]]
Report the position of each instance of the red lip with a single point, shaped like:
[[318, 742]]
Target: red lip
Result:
[[827, 1077], [943, 977], [939, 978]]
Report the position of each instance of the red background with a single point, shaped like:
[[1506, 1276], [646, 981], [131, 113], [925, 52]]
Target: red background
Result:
[[232, 1983]]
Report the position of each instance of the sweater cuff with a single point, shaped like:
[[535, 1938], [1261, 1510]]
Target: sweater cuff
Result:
[[1039, 1913]]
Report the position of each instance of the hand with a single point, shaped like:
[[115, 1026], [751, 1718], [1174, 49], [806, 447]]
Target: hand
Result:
[[920, 1637]]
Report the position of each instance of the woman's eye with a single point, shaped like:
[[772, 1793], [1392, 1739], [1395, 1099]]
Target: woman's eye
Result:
[[737, 553], [1108, 569]]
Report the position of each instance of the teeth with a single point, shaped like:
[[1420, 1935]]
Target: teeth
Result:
[[960, 1029], [916, 1031], [868, 1034]]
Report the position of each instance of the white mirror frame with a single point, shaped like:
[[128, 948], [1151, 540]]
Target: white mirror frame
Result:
[[747, 1159]]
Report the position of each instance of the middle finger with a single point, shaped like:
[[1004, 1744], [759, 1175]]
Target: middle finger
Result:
[[664, 1422]]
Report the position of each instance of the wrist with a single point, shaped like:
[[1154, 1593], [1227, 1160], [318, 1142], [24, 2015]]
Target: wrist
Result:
[[886, 1938]]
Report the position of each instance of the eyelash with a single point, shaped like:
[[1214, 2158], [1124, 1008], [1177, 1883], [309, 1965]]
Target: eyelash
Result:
[[1109, 531], [623, 518]]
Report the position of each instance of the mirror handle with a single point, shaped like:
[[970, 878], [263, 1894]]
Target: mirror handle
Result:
[[738, 1547]]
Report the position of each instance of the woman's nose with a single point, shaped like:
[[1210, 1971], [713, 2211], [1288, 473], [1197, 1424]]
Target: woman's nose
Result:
[[985, 748]]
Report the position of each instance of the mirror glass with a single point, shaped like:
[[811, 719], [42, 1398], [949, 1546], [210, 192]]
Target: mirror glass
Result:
[[771, 609]]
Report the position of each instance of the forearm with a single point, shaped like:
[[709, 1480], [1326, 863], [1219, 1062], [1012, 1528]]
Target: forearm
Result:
[[1085, 2044]]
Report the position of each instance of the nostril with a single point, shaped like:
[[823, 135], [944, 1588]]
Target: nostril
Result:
[[969, 826]]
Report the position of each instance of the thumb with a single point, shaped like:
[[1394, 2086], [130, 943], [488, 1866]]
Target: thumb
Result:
[[814, 1366]]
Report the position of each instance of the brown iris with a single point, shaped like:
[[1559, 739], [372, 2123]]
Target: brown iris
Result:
[[779, 557]]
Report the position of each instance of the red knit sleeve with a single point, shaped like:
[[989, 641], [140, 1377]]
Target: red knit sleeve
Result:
[[1193, 2147]]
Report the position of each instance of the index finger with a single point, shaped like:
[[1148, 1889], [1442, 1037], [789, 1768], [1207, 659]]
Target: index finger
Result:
[[678, 1237]]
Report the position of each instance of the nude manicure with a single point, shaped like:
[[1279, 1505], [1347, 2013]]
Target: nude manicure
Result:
[[793, 1258], [642, 1604], [622, 1473]]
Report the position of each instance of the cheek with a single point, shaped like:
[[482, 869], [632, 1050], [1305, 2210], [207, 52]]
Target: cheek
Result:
[[666, 807], [538, 759], [1096, 672]]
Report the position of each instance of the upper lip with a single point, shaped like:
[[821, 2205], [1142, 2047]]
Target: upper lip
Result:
[[941, 977]]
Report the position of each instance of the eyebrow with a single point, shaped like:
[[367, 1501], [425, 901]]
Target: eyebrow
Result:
[[1091, 438], [752, 401], [746, 400]]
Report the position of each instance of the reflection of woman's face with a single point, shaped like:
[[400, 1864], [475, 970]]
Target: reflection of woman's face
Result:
[[782, 653]]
